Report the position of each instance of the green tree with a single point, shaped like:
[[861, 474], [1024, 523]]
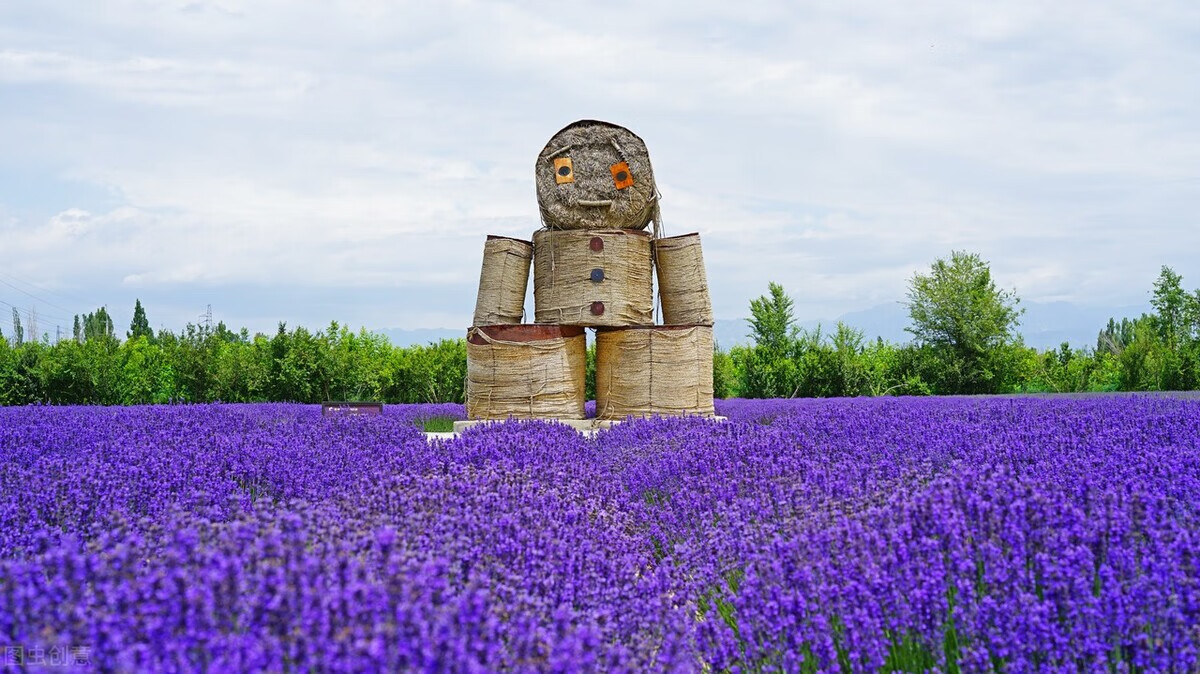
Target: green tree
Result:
[[18, 331], [145, 376], [1170, 303], [1191, 315], [772, 320], [139, 326], [966, 321], [724, 374], [769, 369], [98, 325], [67, 375], [1115, 336]]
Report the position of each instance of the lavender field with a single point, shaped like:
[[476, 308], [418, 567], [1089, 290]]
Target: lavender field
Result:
[[971, 534]]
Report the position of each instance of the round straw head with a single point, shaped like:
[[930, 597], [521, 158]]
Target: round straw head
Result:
[[595, 175]]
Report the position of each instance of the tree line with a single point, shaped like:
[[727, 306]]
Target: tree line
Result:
[[203, 364], [965, 341]]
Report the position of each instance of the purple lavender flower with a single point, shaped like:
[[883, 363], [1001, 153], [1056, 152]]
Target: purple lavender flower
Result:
[[833, 535]]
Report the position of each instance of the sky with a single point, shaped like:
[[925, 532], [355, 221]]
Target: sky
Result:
[[307, 161]]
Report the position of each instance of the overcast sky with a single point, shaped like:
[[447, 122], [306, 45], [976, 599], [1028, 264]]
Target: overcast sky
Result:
[[306, 161]]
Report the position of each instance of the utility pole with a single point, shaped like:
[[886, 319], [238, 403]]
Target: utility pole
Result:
[[207, 316]]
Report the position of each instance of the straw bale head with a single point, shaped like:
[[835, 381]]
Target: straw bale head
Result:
[[595, 175]]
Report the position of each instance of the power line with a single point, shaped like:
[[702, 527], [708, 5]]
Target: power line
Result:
[[40, 299], [60, 293], [27, 309]]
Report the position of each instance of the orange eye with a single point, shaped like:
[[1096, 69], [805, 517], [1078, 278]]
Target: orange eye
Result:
[[622, 178], [564, 172]]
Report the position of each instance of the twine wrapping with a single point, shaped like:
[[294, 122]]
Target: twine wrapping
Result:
[[565, 264], [590, 199], [502, 281], [682, 283], [665, 370], [538, 378]]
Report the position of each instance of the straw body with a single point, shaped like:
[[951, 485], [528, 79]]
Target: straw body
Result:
[[595, 278], [682, 283], [654, 370], [503, 279], [525, 372]]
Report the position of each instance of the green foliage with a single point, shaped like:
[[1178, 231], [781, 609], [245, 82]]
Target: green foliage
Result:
[[202, 364], [954, 353], [1116, 336], [1170, 303], [1158, 351], [966, 342], [431, 373], [145, 376], [968, 324], [589, 377], [724, 375], [438, 425], [1067, 370], [907, 654], [98, 325], [772, 323], [18, 331], [813, 364], [140, 325]]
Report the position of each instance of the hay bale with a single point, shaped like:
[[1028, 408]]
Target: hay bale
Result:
[[598, 278], [502, 281], [682, 282], [595, 175], [525, 372], [663, 369]]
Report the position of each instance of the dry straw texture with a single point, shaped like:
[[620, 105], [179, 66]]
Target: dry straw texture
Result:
[[502, 281], [565, 265], [682, 283], [589, 197], [657, 370], [515, 371]]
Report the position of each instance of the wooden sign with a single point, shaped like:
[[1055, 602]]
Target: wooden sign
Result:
[[350, 409]]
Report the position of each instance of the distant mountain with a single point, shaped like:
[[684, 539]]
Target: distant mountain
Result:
[[1047, 325], [1043, 325]]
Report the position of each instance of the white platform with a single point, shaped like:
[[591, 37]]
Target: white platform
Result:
[[587, 427]]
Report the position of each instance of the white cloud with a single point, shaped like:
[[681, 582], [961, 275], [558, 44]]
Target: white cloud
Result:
[[834, 148], [215, 84]]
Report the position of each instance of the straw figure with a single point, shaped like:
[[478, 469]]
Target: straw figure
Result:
[[593, 267]]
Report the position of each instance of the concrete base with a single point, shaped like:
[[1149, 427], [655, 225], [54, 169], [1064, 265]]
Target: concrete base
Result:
[[588, 427], [440, 436], [582, 425]]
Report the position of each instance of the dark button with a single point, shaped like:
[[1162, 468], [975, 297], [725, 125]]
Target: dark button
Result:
[[596, 244], [597, 308], [564, 171], [622, 176], [597, 275]]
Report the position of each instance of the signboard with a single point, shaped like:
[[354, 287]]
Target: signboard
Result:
[[350, 409]]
